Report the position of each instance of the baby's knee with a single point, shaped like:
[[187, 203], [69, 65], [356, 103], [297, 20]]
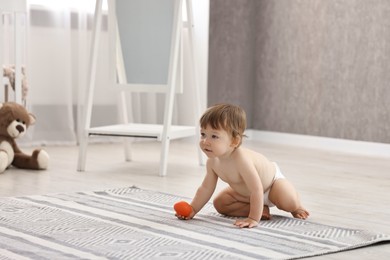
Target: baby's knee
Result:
[[288, 204], [219, 204]]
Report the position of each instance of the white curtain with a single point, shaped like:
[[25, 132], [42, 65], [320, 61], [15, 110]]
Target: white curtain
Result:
[[56, 69], [58, 46]]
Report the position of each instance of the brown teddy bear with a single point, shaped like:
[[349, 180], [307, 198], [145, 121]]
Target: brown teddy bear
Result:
[[14, 121]]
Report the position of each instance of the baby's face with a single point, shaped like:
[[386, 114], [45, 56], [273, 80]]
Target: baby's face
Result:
[[215, 142]]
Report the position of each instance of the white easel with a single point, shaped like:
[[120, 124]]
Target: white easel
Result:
[[164, 133]]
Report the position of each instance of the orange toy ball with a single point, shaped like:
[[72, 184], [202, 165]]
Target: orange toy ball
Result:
[[182, 208]]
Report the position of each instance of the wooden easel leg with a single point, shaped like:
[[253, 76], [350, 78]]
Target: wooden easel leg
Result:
[[82, 153], [91, 85], [125, 120], [170, 95], [164, 157]]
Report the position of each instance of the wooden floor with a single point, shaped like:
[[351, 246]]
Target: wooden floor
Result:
[[338, 189]]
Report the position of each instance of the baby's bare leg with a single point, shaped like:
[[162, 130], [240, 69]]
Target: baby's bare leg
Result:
[[230, 203], [285, 197], [266, 214]]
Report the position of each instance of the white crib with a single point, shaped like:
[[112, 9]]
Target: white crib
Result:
[[13, 28]]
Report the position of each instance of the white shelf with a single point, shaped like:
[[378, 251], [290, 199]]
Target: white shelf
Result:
[[143, 130]]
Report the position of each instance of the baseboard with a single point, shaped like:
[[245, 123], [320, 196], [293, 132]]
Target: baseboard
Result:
[[324, 143]]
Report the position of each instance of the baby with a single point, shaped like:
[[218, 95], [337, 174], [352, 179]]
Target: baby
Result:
[[255, 183]]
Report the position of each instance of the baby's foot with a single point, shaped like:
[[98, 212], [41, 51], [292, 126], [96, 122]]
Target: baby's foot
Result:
[[266, 215], [300, 213]]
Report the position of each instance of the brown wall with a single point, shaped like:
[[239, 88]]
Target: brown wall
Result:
[[231, 53], [307, 67]]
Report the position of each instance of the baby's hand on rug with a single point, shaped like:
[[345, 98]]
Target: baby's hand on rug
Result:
[[246, 223], [185, 217], [184, 210]]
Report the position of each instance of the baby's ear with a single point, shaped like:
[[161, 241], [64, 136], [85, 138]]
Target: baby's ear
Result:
[[236, 141]]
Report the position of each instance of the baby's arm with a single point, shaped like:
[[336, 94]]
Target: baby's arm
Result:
[[204, 192], [256, 200]]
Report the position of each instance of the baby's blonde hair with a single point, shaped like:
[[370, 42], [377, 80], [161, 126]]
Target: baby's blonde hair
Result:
[[228, 117]]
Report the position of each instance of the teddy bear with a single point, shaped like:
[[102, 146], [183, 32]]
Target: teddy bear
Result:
[[14, 122]]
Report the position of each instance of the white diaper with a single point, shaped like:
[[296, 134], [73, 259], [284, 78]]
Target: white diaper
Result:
[[278, 175]]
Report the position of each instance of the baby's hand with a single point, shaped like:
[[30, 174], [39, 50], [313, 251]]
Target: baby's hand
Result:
[[184, 210], [246, 222], [192, 214], [185, 217]]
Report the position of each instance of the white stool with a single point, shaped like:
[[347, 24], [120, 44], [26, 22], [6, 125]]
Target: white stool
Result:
[[13, 24]]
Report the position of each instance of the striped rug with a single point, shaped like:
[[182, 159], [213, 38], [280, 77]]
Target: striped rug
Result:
[[132, 223]]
